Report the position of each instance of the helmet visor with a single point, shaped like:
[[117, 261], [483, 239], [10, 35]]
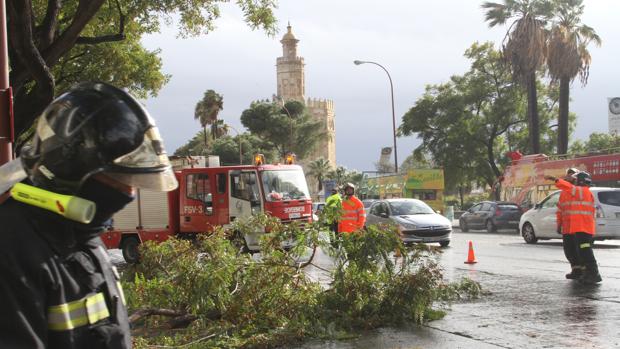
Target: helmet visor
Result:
[[145, 167]]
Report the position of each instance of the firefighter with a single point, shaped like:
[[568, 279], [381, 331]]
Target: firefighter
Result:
[[576, 219], [563, 227], [58, 288], [353, 214]]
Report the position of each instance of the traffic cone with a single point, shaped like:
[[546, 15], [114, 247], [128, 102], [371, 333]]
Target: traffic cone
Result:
[[471, 259]]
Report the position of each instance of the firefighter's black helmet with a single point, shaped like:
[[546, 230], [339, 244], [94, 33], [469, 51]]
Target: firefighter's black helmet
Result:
[[94, 128]]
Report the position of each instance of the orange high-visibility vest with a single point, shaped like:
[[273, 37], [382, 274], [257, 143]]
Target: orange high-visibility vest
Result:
[[576, 209], [562, 220], [353, 215]]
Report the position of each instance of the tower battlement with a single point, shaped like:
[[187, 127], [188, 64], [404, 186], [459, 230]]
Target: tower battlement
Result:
[[327, 104], [284, 60]]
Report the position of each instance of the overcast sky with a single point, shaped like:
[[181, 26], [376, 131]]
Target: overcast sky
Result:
[[420, 42]]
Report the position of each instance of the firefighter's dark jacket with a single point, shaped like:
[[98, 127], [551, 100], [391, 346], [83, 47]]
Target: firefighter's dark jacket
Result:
[[58, 288]]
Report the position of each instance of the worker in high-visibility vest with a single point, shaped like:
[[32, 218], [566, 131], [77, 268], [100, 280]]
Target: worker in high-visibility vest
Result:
[[576, 217], [563, 227], [353, 214], [333, 205]]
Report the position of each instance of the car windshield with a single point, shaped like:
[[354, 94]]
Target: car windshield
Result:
[[281, 185], [409, 207]]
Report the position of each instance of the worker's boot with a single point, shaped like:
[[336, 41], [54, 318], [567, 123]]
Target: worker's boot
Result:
[[576, 272], [591, 275]]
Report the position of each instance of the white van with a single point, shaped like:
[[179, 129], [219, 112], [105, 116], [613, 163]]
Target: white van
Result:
[[539, 223]]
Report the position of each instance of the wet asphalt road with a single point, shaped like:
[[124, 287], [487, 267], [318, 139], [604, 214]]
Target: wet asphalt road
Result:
[[531, 304]]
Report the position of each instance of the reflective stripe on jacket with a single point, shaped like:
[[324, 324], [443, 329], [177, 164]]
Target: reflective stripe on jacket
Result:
[[576, 209], [353, 215]]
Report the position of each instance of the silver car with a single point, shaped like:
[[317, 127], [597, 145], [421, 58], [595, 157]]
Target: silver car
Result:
[[416, 221], [539, 223]]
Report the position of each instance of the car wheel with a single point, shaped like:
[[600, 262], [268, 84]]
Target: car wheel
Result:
[[444, 243], [463, 226], [528, 234], [490, 227], [130, 249]]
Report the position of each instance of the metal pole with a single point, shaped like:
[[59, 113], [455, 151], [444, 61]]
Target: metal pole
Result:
[[393, 113], [6, 129]]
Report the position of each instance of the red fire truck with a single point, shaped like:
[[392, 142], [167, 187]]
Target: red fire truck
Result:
[[523, 181], [208, 197]]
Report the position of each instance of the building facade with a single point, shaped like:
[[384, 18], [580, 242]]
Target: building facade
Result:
[[292, 86]]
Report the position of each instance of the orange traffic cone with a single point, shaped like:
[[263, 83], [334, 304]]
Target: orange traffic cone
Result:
[[471, 259]]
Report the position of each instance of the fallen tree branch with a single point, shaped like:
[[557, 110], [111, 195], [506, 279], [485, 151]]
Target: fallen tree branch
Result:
[[142, 313]]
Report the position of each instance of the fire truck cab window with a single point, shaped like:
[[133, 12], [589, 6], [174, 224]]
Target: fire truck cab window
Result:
[[244, 186], [199, 188]]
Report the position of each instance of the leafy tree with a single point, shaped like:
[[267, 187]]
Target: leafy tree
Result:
[[595, 143], [524, 47], [568, 57], [416, 160], [227, 148], [288, 128], [54, 43], [466, 124], [319, 169], [206, 112]]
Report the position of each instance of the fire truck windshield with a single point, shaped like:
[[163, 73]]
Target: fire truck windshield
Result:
[[281, 185]]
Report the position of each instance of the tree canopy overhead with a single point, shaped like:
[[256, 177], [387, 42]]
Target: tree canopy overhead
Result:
[[54, 43]]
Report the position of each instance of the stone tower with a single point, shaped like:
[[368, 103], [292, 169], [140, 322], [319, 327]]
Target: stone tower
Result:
[[291, 86], [290, 70]]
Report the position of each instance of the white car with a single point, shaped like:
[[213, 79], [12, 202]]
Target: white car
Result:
[[539, 223]]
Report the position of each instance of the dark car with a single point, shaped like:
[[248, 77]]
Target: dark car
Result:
[[368, 202], [491, 215]]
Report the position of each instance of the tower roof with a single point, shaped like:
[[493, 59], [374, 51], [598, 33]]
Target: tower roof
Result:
[[289, 34]]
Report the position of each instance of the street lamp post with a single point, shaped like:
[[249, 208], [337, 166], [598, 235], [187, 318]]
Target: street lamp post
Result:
[[356, 62]]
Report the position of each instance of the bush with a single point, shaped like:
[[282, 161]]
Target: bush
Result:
[[207, 294]]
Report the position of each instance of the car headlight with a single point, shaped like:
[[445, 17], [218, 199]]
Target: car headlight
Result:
[[407, 226]]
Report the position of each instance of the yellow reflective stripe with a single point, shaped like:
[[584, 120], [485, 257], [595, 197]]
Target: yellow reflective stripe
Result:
[[585, 245], [68, 316], [583, 203], [120, 291], [589, 213]]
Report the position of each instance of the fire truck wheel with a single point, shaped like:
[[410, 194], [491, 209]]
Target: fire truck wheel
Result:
[[528, 234], [130, 249]]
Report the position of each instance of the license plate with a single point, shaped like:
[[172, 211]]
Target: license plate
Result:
[[294, 215]]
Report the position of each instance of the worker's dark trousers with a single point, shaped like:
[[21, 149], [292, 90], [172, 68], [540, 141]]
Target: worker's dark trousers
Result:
[[571, 250], [583, 243]]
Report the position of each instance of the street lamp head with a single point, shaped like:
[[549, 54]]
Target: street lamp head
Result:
[[356, 62]]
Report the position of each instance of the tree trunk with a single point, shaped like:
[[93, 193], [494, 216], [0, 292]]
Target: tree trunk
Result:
[[532, 114], [204, 129], [563, 116]]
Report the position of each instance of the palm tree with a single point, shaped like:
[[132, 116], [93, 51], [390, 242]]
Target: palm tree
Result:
[[524, 47], [207, 110], [319, 169], [219, 129], [568, 57]]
